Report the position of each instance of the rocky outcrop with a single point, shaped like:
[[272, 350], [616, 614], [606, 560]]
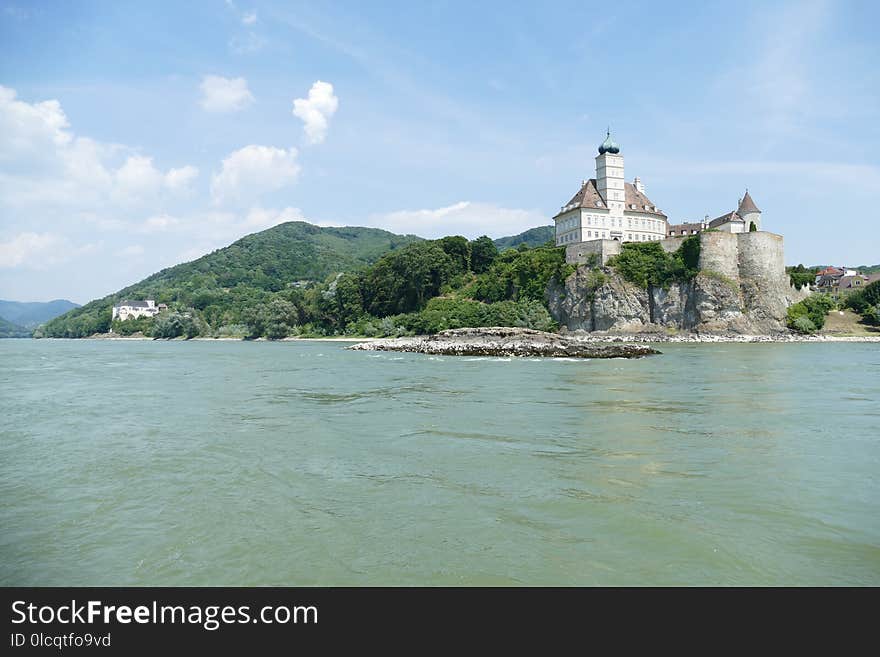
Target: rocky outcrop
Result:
[[506, 342], [601, 300]]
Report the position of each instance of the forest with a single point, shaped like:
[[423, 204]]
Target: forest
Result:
[[302, 280]]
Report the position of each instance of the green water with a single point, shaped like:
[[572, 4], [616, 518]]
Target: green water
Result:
[[189, 463]]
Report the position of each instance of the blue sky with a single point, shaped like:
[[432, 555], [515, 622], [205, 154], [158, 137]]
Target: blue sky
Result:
[[134, 136]]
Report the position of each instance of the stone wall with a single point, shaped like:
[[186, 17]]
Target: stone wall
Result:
[[719, 253], [672, 244], [579, 254], [742, 288], [761, 257]]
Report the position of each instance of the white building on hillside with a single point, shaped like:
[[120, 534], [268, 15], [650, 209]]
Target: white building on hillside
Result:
[[607, 207], [134, 309]]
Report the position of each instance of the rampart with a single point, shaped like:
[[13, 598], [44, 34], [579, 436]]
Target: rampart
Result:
[[580, 253]]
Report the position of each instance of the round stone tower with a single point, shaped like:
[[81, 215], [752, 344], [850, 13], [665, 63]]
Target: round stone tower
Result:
[[749, 212]]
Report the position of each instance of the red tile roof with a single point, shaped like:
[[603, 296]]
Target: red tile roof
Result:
[[588, 197]]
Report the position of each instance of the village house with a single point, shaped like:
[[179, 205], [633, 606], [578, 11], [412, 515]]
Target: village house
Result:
[[135, 309], [838, 281]]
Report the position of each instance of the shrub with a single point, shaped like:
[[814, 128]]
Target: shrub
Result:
[[646, 263], [814, 308], [800, 276], [232, 331], [175, 325], [803, 325], [864, 299], [520, 274], [133, 325], [441, 314]]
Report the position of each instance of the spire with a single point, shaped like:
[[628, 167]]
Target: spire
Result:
[[746, 205], [609, 145]]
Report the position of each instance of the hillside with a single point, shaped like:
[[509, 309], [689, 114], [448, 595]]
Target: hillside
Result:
[[30, 314], [243, 274], [533, 237], [299, 279], [10, 330]]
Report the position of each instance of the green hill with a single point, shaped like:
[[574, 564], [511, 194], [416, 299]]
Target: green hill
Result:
[[533, 237], [300, 279], [222, 284], [10, 330], [29, 314]]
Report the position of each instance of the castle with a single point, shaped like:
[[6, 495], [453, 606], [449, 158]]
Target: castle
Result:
[[609, 208], [607, 211], [742, 285]]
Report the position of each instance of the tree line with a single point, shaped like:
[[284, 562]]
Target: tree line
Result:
[[420, 287]]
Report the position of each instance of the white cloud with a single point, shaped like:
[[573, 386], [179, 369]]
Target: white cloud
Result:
[[39, 250], [44, 164], [26, 128], [221, 94], [316, 110], [253, 170], [249, 18], [138, 177], [181, 179], [464, 218]]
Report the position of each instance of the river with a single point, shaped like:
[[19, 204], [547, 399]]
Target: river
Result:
[[302, 463]]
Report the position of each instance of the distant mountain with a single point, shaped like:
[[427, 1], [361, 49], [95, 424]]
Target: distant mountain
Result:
[[30, 314], [868, 269], [10, 330], [531, 238], [243, 274]]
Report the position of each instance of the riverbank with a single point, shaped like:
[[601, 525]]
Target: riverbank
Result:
[[598, 337], [141, 336], [718, 337]]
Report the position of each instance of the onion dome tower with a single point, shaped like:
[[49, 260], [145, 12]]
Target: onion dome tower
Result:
[[609, 145]]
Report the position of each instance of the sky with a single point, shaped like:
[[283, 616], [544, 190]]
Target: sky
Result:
[[135, 136]]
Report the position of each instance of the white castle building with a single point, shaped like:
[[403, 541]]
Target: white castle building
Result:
[[607, 210], [134, 309], [608, 207]]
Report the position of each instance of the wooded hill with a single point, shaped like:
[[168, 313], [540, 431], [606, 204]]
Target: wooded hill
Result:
[[300, 279]]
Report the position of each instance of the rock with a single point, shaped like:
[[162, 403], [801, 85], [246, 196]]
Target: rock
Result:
[[506, 342], [601, 300]]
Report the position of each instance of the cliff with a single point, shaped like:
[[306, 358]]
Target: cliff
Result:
[[741, 288]]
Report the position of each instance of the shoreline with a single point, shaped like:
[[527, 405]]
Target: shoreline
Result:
[[710, 338], [646, 338]]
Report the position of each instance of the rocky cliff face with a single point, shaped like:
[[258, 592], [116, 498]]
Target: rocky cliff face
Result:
[[601, 300]]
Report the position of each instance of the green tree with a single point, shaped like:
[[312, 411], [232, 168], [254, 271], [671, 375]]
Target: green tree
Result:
[[483, 254], [516, 275], [646, 263], [403, 281], [459, 251], [815, 308], [174, 325]]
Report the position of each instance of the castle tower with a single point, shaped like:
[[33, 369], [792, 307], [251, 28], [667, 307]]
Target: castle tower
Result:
[[609, 175], [749, 212]]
